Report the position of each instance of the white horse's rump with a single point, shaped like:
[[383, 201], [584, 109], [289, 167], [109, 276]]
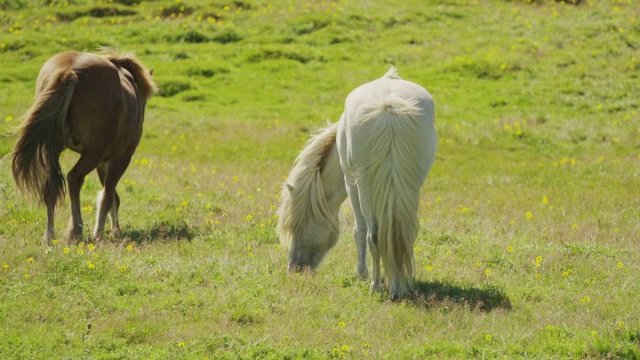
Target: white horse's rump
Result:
[[386, 142]]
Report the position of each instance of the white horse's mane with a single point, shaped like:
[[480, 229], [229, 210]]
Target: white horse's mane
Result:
[[303, 197], [392, 73]]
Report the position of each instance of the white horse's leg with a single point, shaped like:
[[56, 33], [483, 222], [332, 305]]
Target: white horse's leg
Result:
[[366, 211], [376, 280], [359, 231], [396, 291]]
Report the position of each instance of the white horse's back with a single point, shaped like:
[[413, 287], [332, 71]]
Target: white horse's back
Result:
[[388, 95], [387, 144]]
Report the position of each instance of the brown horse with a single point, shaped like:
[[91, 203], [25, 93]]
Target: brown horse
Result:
[[93, 105]]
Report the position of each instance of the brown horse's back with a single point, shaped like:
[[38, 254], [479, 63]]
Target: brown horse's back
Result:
[[105, 112]]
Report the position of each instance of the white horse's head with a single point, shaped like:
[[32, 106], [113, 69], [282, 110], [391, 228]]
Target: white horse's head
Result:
[[309, 203], [310, 244]]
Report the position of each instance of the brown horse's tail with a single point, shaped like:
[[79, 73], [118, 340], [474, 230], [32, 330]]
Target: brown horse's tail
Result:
[[35, 158]]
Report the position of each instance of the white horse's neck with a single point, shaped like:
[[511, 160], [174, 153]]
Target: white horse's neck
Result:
[[333, 181], [314, 190]]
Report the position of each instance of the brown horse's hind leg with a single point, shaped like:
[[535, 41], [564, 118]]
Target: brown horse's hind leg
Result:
[[108, 200], [87, 162], [50, 197], [49, 233], [113, 212]]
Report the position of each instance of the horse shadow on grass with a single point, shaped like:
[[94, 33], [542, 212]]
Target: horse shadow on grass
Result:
[[434, 294], [160, 231]]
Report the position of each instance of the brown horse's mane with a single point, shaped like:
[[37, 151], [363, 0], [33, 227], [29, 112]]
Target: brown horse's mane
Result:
[[140, 74]]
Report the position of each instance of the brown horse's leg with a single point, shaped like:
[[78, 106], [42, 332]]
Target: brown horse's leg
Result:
[[87, 162], [50, 197], [49, 233], [113, 212], [109, 201], [115, 223]]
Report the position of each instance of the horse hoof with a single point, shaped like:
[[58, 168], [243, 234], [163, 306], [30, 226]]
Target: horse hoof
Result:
[[362, 276], [375, 288], [74, 236]]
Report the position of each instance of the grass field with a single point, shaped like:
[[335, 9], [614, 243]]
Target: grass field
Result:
[[529, 245]]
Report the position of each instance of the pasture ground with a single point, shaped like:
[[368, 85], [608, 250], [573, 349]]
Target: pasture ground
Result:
[[530, 218]]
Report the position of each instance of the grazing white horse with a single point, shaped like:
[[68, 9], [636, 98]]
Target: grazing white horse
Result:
[[379, 154]]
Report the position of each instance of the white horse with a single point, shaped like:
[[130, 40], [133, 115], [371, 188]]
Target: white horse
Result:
[[379, 154]]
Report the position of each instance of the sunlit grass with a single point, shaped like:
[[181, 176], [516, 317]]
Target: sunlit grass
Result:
[[528, 244]]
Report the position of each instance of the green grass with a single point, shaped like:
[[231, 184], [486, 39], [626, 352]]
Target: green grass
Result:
[[535, 100]]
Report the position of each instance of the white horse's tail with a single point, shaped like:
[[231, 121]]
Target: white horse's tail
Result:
[[394, 180]]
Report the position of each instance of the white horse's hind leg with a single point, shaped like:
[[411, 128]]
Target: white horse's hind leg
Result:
[[396, 286], [366, 211], [359, 231], [376, 280]]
